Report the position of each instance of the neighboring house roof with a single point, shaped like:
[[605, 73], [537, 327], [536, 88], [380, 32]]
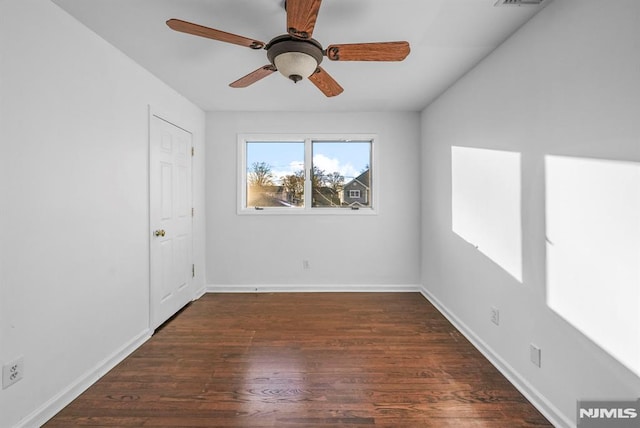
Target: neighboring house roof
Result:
[[325, 196], [362, 179]]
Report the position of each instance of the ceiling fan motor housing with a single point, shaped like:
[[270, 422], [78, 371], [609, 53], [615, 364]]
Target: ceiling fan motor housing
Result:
[[294, 58]]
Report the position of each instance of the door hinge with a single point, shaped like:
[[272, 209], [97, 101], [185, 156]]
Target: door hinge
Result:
[[193, 151], [193, 271]]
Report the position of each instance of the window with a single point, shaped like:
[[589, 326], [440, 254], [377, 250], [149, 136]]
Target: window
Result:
[[275, 174], [304, 174]]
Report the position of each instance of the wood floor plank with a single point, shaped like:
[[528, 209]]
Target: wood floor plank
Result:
[[304, 360]]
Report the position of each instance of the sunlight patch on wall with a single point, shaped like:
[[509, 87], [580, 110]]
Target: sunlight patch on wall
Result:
[[593, 250], [485, 204]]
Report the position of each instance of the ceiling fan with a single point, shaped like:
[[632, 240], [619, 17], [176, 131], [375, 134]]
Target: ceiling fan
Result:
[[296, 54]]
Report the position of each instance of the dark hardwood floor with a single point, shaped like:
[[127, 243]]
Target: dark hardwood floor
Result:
[[304, 360]]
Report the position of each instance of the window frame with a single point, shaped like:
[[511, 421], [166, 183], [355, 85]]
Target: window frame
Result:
[[308, 139]]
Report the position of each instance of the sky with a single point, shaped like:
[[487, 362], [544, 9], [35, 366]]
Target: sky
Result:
[[348, 158]]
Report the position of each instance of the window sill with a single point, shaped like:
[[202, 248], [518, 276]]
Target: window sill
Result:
[[308, 211]]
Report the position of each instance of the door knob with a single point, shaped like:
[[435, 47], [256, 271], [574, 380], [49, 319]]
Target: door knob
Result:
[[159, 232]]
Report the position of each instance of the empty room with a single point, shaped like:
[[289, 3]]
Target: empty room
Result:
[[259, 213]]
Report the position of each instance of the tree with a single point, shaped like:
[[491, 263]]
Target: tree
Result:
[[294, 185], [318, 179], [260, 175], [335, 181], [326, 187]]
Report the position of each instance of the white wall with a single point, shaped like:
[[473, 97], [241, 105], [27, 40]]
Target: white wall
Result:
[[565, 84], [344, 252], [74, 282]]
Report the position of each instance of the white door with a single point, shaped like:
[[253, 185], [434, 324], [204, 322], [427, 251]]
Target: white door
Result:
[[170, 219]]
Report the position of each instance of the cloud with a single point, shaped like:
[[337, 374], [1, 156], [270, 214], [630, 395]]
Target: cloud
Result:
[[293, 167], [330, 165], [325, 163]]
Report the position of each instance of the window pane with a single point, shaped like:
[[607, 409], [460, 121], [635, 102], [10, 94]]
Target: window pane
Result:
[[275, 174], [341, 174]]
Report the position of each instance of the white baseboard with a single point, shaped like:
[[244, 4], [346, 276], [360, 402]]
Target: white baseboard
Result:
[[199, 293], [540, 402], [63, 398], [313, 288]]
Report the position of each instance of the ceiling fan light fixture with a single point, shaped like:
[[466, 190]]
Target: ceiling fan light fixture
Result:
[[295, 65], [295, 59]]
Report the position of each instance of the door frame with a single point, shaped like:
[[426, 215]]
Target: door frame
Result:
[[166, 117]]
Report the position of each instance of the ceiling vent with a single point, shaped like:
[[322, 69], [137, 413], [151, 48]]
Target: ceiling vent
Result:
[[500, 3]]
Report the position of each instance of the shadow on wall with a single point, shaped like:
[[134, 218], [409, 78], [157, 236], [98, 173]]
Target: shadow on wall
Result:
[[593, 250], [485, 198], [592, 236]]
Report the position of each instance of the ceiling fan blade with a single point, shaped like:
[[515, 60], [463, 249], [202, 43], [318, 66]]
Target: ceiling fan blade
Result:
[[301, 17], [210, 33], [325, 83], [253, 77], [383, 51]]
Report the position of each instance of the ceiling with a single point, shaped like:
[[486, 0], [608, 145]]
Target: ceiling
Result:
[[447, 38]]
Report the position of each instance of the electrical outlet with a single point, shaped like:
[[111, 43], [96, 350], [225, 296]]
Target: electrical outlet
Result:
[[305, 265], [495, 316], [535, 354], [12, 372]]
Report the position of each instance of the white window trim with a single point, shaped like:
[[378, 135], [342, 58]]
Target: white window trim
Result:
[[306, 210]]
